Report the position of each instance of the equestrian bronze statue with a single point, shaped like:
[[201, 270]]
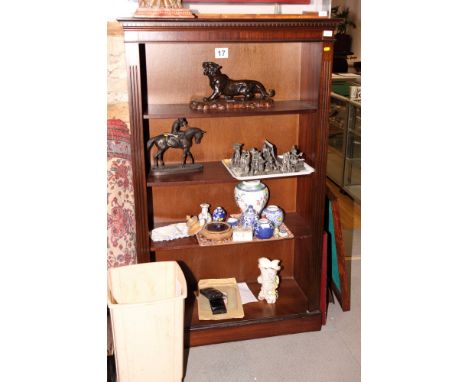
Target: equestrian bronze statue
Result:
[[178, 139]]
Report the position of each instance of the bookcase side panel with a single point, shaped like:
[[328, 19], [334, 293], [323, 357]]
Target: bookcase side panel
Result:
[[135, 89]]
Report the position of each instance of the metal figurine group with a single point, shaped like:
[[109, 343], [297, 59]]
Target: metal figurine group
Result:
[[265, 162]]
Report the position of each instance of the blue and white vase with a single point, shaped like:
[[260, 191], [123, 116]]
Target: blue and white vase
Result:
[[219, 214], [264, 229], [274, 214], [248, 218], [251, 193]]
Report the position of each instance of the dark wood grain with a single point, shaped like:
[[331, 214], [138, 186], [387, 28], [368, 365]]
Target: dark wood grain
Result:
[[288, 315], [175, 203], [173, 66], [239, 261], [296, 223], [138, 151], [213, 172], [288, 55], [226, 30], [222, 133], [320, 139], [306, 322], [291, 301], [176, 110]]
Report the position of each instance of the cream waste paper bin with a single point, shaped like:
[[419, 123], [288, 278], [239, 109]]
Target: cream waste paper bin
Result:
[[146, 302]]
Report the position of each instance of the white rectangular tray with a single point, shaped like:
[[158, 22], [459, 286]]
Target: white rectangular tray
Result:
[[307, 170]]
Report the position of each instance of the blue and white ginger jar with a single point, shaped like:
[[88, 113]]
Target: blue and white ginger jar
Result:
[[264, 229], [219, 214], [274, 214]]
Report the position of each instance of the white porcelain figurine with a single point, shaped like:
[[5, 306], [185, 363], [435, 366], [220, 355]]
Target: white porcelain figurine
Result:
[[204, 214], [269, 279]]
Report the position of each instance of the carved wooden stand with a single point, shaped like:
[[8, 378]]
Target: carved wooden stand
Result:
[[176, 169], [222, 105], [164, 12]]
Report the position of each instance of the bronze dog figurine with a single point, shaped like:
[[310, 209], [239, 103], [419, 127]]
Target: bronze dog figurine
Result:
[[222, 85]]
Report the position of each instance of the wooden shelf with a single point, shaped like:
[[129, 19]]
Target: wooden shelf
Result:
[[178, 110], [213, 172], [291, 301], [295, 223], [291, 305]]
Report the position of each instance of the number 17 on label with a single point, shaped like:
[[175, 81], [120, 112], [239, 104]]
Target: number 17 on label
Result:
[[221, 52]]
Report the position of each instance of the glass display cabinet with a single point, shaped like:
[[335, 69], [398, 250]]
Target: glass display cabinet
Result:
[[352, 167], [337, 138], [344, 142]]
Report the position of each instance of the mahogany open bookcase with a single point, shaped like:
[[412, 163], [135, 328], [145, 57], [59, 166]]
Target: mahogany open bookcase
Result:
[[164, 66]]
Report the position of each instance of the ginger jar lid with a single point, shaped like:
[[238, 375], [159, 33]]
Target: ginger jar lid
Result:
[[251, 185]]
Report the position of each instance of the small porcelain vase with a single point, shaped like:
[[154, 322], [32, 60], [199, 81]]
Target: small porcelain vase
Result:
[[204, 214], [219, 214], [251, 193], [268, 279], [264, 229], [274, 214], [248, 218]]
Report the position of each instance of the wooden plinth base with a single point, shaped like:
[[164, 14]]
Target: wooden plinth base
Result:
[[164, 12], [252, 330], [223, 105], [176, 169]]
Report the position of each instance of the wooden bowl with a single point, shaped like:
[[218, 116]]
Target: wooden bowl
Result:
[[217, 231]]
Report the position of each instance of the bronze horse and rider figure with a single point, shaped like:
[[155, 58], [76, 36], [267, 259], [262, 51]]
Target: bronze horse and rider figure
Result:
[[177, 138]]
